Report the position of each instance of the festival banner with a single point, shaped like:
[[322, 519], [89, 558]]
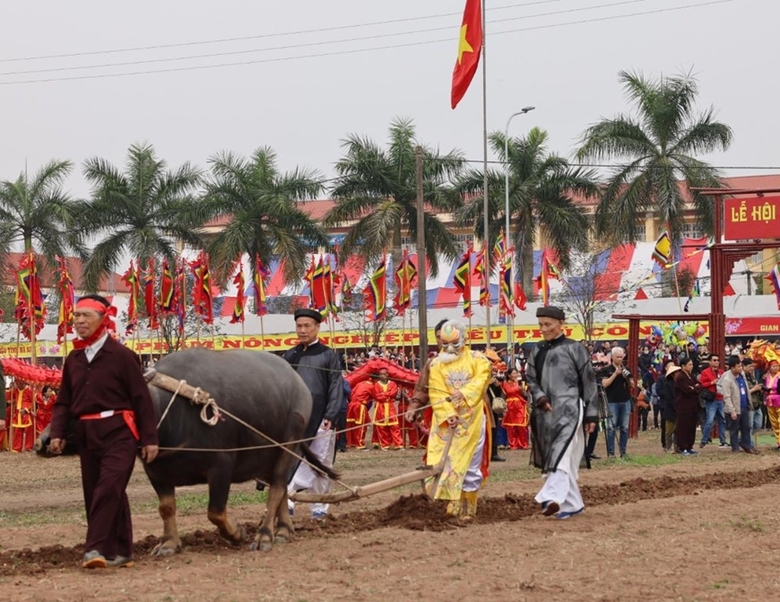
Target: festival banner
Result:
[[748, 219], [762, 327]]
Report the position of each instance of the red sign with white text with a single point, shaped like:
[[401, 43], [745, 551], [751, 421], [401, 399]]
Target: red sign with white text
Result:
[[747, 219]]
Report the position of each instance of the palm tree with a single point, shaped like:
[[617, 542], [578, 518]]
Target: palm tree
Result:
[[265, 212], [38, 214], [143, 212], [376, 192], [658, 144], [541, 186]]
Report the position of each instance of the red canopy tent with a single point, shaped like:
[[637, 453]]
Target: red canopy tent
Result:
[[399, 374]]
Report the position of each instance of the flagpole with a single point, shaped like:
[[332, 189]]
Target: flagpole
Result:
[[32, 309], [262, 335], [486, 204], [507, 237]]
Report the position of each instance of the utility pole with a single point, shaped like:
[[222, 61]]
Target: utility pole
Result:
[[422, 293]]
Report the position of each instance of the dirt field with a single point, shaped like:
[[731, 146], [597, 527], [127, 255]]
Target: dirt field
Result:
[[657, 527]]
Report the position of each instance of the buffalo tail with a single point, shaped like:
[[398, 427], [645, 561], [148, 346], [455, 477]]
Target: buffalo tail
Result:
[[312, 459]]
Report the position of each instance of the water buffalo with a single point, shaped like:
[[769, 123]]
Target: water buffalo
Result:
[[259, 388]]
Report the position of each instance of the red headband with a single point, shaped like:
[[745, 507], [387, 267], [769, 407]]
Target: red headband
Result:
[[91, 304]]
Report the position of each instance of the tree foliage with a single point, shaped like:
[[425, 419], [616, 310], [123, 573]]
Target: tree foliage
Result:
[[264, 210], [541, 190], [142, 212], [658, 143], [376, 195]]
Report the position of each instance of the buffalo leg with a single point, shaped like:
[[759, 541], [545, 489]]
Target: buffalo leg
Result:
[[170, 542], [284, 524], [276, 508], [219, 490], [265, 535]]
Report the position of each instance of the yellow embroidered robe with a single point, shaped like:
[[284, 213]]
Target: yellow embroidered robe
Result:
[[469, 374]]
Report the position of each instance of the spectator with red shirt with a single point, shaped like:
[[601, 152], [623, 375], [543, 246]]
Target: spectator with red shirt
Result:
[[713, 402]]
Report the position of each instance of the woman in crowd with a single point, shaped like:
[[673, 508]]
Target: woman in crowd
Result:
[[772, 399], [686, 404], [516, 418]]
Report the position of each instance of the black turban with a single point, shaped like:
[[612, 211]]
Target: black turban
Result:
[[308, 313], [550, 311]]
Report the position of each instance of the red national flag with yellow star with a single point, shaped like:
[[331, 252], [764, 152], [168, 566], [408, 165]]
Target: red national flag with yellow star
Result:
[[469, 48]]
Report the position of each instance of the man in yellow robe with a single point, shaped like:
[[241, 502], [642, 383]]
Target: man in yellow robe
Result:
[[458, 380]]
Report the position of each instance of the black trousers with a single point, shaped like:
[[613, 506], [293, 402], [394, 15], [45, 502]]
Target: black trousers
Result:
[[106, 466]]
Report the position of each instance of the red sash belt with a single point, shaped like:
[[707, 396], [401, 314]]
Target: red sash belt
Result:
[[127, 415]]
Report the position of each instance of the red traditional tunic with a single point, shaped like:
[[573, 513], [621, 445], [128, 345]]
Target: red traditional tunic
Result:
[[515, 419], [357, 414], [22, 410], [386, 415], [43, 414]]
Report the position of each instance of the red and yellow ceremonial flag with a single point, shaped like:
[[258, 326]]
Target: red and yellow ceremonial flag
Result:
[[329, 287], [505, 299], [548, 272], [202, 300], [376, 297], [238, 308], [149, 300], [469, 48], [318, 295], [404, 276], [67, 302], [180, 293], [260, 277], [481, 270], [462, 281], [30, 309], [166, 289], [130, 278]]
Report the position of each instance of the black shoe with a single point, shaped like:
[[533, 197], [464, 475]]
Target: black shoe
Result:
[[497, 459], [595, 457], [121, 562]]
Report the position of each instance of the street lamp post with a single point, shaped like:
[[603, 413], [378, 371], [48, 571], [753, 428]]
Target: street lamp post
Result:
[[510, 347]]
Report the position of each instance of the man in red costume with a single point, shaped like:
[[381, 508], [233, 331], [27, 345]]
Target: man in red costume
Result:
[[45, 403], [22, 412], [103, 387], [357, 413], [385, 413]]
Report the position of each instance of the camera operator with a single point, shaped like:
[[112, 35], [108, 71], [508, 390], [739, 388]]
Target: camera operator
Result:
[[618, 383], [590, 446]]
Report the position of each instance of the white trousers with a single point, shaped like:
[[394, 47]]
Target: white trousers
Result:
[[473, 478], [306, 477], [561, 486]]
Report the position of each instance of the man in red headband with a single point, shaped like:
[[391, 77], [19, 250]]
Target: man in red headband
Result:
[[104, 388]]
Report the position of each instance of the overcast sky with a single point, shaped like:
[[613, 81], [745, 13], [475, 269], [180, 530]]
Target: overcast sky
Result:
[[303, 107]]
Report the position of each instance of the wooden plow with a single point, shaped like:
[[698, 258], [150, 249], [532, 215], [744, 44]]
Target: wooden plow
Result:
[[362, 491]]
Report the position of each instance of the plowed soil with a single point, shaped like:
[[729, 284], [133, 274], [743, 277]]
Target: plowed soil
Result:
[[656, 527]]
